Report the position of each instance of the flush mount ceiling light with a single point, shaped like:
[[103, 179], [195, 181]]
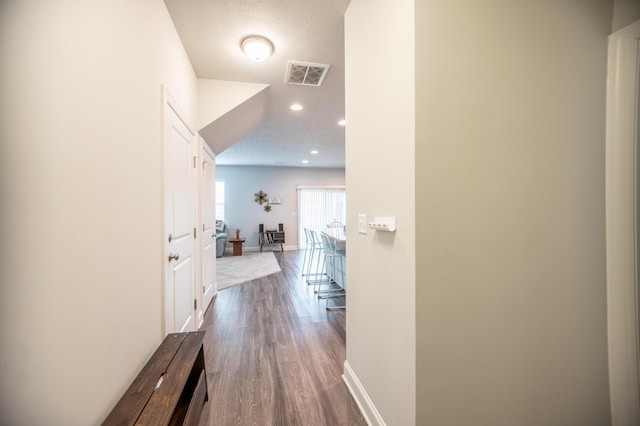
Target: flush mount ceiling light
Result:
[[314, 152], [257, 48], [296, 107], [342, 122]]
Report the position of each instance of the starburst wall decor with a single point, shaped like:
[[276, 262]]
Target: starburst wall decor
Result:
[[261, 198]]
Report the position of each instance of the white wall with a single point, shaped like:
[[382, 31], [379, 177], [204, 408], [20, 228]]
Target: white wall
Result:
[[511, 325], [379, 84], [242, 182], [80, 166], [505, 291]]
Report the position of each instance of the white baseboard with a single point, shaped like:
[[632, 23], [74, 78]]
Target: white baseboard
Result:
[[369, 411], [251, 248], [272, 247]]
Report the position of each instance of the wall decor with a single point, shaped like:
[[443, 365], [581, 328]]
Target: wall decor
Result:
[[267, 208], [275, 200], [261, 197]]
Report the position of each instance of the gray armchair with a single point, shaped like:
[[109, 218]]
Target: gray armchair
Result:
[[221, 237]]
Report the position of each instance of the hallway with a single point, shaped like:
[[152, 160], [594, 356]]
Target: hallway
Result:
[[274, 355]]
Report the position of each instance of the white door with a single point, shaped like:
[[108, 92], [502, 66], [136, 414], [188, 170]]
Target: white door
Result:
[[179, 208], [208, 240]]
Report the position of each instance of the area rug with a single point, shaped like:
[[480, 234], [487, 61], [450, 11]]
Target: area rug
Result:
[[233, 270]]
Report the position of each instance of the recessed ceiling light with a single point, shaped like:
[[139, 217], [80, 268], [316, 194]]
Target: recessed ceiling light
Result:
[[314, 152], [257, 48], [296, 107], [342, 122], [305, 161]]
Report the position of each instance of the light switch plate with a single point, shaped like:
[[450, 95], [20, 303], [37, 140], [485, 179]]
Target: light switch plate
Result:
[[362, 223]]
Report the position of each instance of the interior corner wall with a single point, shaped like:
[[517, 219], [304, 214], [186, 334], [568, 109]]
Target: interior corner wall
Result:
[[80, 168], [380, 145], [242, 182], [218, 97], [625, 12], [510, 249]]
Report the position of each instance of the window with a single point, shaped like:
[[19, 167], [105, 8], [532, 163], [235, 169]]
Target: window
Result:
[[317, 207], [219, 200]]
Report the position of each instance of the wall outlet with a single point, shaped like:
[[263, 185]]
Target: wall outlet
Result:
[[362, 223]]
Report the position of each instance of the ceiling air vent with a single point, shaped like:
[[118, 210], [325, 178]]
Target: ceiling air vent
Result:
[[306, 73]]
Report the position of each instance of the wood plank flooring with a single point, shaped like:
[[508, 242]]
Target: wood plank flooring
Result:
[[274, 355]]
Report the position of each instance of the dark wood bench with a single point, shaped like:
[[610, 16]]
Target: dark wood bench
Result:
[[171, 389]]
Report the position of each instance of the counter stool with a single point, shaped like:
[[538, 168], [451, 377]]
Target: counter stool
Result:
[[335, 271], [316, 277]]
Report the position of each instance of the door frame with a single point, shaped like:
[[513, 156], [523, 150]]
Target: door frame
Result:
[[622, 224]]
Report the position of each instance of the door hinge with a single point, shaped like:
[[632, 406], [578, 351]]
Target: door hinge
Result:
[[203, 228], [195, 304], [194, 161], [194, 233], [202, 289]]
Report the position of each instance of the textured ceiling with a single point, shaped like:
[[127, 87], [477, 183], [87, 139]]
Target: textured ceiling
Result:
[[300, 30]]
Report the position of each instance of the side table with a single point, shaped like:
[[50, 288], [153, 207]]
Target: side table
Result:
[[237, 245]]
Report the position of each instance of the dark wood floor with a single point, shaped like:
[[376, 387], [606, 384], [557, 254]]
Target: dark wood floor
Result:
[[274, 355]]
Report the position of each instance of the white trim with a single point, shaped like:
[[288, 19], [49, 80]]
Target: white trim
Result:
[[621, 231], [206, 147], [368, 410], [169, 100]]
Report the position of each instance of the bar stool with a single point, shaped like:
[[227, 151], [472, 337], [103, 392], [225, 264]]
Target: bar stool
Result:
[[317, 278], [308, 250], [335, 271]]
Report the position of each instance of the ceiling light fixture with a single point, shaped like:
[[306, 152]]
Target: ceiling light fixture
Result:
[[257, 48], [342, 122], [305, 161], [296, 107], [314, 152]]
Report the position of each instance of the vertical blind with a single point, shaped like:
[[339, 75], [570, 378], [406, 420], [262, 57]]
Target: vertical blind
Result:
[[219, 200], [317, 207]]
